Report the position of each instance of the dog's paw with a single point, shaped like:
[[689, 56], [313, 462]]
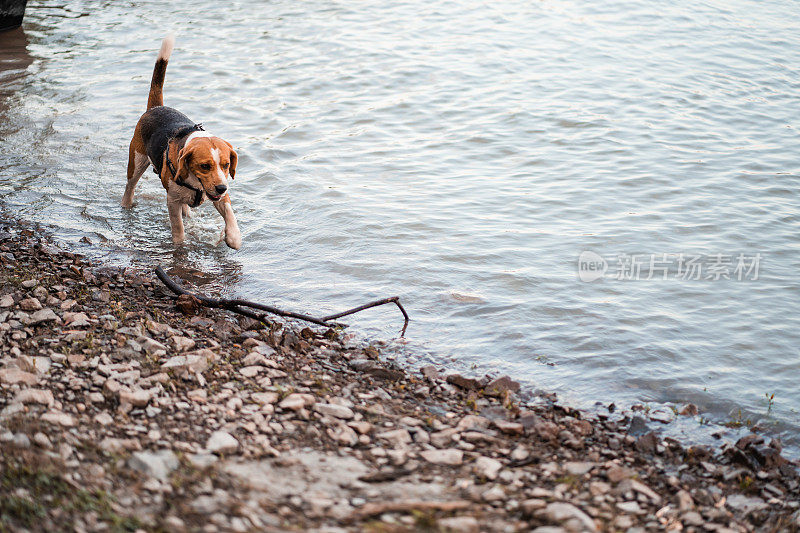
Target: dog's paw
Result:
[[233, 240]]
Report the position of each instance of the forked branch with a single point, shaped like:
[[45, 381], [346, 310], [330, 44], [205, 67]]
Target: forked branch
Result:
[[244, 307]]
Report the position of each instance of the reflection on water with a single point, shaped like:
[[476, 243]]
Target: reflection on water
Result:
[[462, 155]]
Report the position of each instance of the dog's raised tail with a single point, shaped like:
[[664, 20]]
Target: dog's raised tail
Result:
[[156, 97]]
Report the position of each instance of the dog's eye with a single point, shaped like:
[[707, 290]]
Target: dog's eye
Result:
[[205, 166], [225, 165]]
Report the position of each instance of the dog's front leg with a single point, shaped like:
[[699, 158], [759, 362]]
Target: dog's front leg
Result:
[[233, 237], [175, 208]]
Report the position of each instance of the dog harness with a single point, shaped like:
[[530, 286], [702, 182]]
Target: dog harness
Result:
[[181, 134]]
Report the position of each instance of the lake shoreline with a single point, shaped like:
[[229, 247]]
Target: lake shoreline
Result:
[[119, 410]]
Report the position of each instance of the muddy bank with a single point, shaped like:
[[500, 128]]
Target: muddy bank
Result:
[[120, 412]]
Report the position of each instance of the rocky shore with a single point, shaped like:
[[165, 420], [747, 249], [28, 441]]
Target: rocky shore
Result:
[[120, 412]]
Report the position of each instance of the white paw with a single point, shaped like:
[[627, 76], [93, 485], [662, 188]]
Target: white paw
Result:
[[233, 240]]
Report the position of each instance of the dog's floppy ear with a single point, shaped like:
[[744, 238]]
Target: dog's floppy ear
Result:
[[184, 156], [234, 159]]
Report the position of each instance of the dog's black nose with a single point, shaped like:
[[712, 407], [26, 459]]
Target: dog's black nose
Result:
[[221, 189]]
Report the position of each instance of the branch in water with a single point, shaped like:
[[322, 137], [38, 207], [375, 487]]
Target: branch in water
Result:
[[240, 306]]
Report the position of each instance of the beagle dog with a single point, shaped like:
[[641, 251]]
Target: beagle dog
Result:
[[193, 164]]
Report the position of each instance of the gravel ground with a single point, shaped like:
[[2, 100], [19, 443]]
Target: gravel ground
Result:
[[118, 411]]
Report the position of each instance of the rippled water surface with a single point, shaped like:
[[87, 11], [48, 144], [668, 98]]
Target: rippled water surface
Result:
[[461, 154]]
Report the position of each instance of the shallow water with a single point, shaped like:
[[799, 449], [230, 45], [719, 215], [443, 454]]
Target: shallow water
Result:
[[462, 155]]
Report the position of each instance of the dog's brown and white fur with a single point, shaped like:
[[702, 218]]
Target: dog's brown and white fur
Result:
[[192, 163]]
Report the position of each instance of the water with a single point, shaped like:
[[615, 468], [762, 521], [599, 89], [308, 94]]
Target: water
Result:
[[460, 154]]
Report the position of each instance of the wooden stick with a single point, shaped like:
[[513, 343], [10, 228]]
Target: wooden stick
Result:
[[240, 306]]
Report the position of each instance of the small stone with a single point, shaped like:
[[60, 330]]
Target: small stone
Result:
[[44, 315], [617, 473], [29, 284], [137, 398], [202, 460], [510, 428], [104, 419], [76, 320], [334, 410], [15, 375], [30, 304], [114, 445], [182, 344], [397, 437], [493, 494], [567, 515], [578, 468], [459, 524], [250, 371], [343, 435], [689, 409], [6, 301], [487, 467], [297, 401], [61, 419], [264, 398], [40, 396], [629, 507], [154, 464], [42, 441], [449, 456], [183, 365], [222, 442]]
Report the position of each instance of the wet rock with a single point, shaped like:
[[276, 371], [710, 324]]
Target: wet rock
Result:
[[638, 426], [689, 409], [429, 372], [443, 457], [501, 386], [647, 443], [463, 382], [222, 442], [158, 464]]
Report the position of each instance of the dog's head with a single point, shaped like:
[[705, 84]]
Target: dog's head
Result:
[[211, 160]]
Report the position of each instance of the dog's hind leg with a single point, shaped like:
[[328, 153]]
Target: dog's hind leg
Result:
[[137, 164]]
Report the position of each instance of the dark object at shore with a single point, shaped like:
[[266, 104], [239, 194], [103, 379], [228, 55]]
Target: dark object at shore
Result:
[[11, 13], [240, 306]]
